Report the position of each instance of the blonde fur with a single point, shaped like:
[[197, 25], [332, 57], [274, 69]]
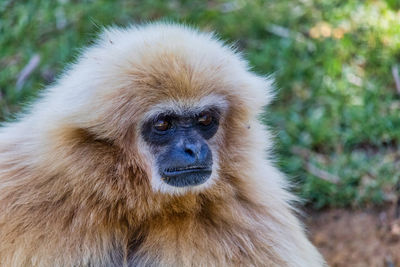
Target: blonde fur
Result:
[[77, 186]]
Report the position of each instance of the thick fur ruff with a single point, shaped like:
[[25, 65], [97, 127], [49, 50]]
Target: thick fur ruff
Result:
[[76, 179]]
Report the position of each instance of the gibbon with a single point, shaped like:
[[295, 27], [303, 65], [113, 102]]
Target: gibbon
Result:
[[148, 152]]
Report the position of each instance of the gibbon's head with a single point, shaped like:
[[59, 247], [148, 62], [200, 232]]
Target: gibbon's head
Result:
[[178, 103]]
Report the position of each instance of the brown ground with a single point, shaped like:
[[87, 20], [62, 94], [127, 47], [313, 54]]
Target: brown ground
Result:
[[357, 238]]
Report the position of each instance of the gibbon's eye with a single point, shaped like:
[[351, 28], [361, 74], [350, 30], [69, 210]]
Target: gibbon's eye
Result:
[[162, 125], [205, 118]]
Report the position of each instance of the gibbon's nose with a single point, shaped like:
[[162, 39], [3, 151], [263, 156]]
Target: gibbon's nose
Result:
[[195, 152], [187, 153]]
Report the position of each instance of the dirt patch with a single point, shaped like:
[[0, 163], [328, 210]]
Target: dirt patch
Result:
[[357, 238]]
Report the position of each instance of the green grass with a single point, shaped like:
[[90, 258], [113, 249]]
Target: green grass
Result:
[[337, 110]]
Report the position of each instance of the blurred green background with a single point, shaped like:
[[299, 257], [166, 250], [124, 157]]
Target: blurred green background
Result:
[[337, 113]]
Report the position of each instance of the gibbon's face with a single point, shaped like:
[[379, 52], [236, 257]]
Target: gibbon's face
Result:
[[181, 140], [179, 145]]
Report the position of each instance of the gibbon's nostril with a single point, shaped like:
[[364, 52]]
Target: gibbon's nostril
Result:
[[190, 152], [190, 149]]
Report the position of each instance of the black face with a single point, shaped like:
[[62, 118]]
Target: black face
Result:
[[179, 144]]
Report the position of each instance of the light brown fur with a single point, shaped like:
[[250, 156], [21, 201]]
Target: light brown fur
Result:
[[75, 181]]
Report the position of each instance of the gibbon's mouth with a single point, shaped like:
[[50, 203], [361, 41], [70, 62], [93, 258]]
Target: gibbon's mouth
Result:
[[186, 176]]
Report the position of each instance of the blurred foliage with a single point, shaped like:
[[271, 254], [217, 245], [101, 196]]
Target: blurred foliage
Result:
[[337, 112]]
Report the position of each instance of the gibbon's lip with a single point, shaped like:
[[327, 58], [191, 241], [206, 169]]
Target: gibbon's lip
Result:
[[187, 176], [187, 168]]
